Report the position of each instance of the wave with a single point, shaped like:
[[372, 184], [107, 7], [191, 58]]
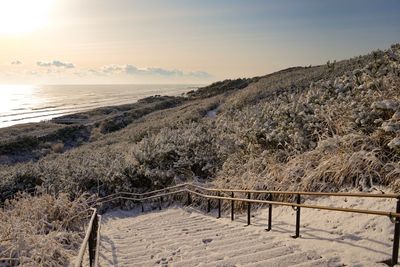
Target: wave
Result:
[[74, 107]]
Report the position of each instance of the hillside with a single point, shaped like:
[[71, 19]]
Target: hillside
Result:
[[32, 141], [324, 128]]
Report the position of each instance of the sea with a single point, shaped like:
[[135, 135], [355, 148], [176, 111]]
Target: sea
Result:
[[33, 103]]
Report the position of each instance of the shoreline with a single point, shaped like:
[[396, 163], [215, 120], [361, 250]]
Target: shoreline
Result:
[[32, 141], [42, 104]]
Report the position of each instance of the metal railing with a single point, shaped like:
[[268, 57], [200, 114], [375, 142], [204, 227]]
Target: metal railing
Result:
[[190, 190]]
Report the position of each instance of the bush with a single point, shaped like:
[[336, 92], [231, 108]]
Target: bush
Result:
[[58, 148]]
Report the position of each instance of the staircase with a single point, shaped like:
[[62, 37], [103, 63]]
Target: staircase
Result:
[[186, 237]]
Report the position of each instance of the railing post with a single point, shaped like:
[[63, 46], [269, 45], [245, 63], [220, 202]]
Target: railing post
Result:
[[297, 234], [159, 203], [232, 207], [395, 252], [208, 205], [93, 241], [219, 205], [269, 214], [248, 208], [141, 202]]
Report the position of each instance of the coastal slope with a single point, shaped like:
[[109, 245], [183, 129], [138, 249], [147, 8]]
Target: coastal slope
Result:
[[333, 127]]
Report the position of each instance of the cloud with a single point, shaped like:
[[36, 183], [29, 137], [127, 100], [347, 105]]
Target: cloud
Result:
[[164, 72], [200, 74], [110, 69], [95, 72], [118, 73], [129, 69], [56, 63], [118, 69]]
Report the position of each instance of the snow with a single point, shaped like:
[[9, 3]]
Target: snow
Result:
[[356, 239], [213, 112], [184, 236]]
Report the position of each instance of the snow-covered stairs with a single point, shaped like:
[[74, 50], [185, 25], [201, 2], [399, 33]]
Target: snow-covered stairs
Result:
[[184, 237]]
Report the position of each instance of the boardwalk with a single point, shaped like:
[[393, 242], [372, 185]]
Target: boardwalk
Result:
[[183, 237]]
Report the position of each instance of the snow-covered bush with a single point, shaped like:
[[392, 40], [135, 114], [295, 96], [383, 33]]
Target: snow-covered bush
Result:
[[42, 230]]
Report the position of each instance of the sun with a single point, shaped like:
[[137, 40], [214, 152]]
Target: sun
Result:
[[19, 17]]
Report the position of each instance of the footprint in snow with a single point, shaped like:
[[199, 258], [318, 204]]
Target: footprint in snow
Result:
[[207, 240]]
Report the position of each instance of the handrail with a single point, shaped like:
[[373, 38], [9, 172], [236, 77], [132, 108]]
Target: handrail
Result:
[[279, 203], [336, 194], [339, 194], [118, 194], [89, 233], [157, 196], [156, 191], [371, 212]]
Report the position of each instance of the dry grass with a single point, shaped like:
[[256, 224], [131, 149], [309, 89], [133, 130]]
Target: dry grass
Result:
[[41, 230]]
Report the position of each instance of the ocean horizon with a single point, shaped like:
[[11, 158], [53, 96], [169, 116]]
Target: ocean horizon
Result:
[[34, 103]]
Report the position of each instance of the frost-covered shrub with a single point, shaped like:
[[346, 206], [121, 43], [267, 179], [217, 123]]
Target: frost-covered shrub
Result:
[[282, 131], [189, 152], [42, 230]]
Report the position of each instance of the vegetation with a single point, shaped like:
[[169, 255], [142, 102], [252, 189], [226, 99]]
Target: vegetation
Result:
[[322, 128], [41, 230], [30, 142], [220, 88]]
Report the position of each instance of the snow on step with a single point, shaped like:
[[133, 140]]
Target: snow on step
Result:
[[319, 263], [286, 260], [240, 258], [182, 237]]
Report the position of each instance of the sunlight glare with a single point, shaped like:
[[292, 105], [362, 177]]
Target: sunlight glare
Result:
[[11, 95], [23, 16]]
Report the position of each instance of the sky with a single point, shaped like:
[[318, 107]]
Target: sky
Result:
[[183, 41]]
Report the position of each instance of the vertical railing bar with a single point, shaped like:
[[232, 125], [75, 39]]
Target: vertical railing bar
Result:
[[269, 214], [248, 208], [219, 205], [208, 205], [232, 207], [96, 260], [396, 237], [93, 240], [298, 201]]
